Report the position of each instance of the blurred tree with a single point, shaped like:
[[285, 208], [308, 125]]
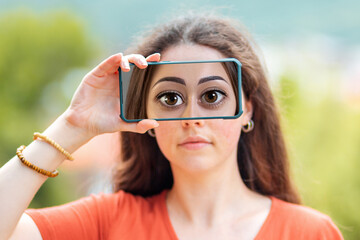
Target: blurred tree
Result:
[[324, 139], [35, 52]]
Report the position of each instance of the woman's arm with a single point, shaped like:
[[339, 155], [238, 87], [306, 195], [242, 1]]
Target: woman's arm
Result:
[[19, 184], [94, 110]]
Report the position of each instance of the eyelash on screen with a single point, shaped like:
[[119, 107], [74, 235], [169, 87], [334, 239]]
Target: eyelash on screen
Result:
[[161, 94]]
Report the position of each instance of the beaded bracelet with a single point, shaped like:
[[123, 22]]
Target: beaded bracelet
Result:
[[54, 144], [32, 166]]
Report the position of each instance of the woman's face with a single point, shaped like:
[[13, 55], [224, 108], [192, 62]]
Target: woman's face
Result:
[[195, 144]]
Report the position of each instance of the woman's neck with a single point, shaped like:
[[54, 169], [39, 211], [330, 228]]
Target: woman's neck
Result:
[[209, 197]]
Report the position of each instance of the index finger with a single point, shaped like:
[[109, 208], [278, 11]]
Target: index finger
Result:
[[111, 64], [155, 57]]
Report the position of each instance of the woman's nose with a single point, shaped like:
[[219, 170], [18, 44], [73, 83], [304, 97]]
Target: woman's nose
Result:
[[192, 111], [192, 123]]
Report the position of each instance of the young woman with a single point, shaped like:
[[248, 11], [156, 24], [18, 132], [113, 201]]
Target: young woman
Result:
[[186, 179]]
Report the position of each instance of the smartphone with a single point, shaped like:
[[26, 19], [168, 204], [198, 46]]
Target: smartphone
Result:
[[176, 90]]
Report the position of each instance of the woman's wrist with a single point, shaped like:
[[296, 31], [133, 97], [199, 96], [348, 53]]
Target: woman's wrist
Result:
[[67, 135], [46, 156]]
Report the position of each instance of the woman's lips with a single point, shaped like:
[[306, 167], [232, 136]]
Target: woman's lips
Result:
[[194, 143]]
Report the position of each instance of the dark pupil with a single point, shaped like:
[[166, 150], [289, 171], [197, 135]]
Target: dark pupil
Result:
[[211, 96], [171, 99]]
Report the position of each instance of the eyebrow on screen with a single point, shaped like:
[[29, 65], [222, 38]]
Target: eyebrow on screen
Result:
[[182, 81]]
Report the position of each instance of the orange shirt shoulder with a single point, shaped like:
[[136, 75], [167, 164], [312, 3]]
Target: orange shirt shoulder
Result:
[[293, 221], [125, 216], [106, 216]]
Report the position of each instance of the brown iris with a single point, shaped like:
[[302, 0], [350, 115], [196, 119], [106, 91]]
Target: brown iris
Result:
[[211, 97], [171, 98]]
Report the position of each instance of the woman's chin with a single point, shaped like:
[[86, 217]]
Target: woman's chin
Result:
[[196, 163]]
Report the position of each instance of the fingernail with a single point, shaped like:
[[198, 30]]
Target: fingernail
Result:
[[126, 65]]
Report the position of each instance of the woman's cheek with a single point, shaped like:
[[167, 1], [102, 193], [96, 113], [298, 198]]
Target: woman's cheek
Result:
[[229, 130], [165, 136]]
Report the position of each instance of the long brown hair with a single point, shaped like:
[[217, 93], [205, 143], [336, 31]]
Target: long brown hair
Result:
[[262, 156]]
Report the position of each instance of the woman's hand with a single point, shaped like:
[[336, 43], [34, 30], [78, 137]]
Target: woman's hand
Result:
[[95, 106]]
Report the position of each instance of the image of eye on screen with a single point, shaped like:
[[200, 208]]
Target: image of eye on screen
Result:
[[181, 90]]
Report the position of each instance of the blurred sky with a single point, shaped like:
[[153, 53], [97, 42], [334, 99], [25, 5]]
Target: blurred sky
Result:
[[117, 20], [317, 40]]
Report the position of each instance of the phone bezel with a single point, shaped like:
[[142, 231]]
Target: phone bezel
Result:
[[238, 63]]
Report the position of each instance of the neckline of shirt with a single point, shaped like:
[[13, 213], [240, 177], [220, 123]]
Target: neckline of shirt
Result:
[[171, 229]]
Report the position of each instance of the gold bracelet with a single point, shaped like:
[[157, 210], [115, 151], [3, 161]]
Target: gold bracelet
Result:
[[32, 166], [54, 144]]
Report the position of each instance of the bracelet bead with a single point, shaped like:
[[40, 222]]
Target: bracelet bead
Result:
[[54, 144], [32, 166]]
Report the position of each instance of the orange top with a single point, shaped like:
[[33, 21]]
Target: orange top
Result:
[[125, 216]]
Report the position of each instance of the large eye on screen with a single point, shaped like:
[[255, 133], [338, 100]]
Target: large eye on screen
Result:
[[181, 90]]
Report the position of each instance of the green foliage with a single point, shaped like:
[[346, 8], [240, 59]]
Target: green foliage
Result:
[[35, 52], [324, 140]]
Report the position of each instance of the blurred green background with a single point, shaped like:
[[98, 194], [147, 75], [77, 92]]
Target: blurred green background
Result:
[[312, 52]]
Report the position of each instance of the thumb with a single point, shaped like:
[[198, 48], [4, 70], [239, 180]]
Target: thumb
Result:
[[146, 124], [140, 127]]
